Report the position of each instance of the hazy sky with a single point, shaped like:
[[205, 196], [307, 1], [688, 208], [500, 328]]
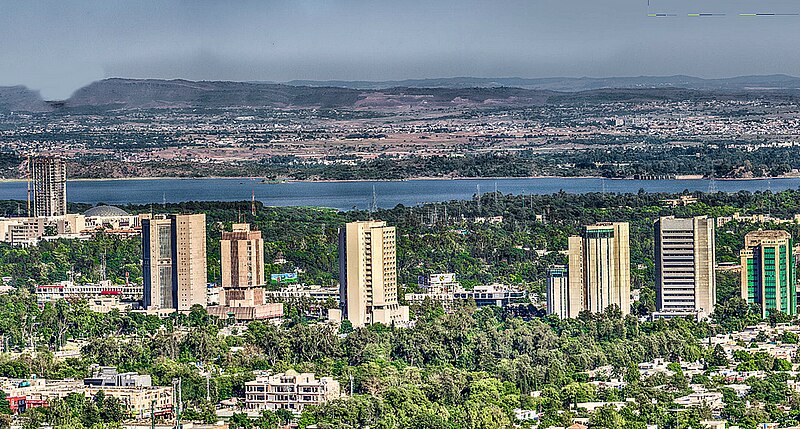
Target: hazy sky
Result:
[[57, 46]]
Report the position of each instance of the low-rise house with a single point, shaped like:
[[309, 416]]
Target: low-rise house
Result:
[[494, 294], [711, 399]]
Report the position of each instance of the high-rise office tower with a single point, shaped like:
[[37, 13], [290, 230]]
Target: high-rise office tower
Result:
[[174, 262], [685, 277], [599, 265], [368, 274], [49, 177], [564, 298], [242, 254], [768, 277]]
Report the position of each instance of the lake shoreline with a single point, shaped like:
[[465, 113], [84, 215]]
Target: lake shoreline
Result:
[[261, 180]]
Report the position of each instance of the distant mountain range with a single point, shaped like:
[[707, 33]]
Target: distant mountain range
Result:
[[117, 93], [575, 84]]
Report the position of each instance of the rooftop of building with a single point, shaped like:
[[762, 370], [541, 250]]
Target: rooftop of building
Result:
[[105, 211]]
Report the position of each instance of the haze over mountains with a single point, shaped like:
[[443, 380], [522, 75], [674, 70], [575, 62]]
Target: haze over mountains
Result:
[[570, 84], [118, 93]]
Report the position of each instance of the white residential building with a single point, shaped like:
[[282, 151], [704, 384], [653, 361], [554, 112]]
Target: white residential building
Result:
[[290, 391]]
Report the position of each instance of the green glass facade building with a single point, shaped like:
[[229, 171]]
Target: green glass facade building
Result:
[[768, 277]]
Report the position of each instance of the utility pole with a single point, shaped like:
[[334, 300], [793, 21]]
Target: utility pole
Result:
[[103, 265], [351, 384], [208, 384], [153, 414], [479, 200], [374, 207], [176, 386], [712, 184]]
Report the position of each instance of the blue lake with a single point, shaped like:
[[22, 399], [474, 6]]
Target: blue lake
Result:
[[349, 195]]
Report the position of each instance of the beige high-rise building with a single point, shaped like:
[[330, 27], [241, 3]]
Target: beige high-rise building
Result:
[[685, 277], [564, 298], [242, 254], [368, 274], [49, 177], [599, 266], [174, 262]]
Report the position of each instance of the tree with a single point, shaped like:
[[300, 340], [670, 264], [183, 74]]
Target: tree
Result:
[[632, 374], [5, 408], [789, 337], [267, 420], [240, 420], [576, 392], [284, 416], [718, 358], [606, 417], [346, 327]]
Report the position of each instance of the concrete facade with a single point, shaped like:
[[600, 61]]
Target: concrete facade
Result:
[[685, 257], [49, 180], [242, 257], [368, 274], [174, 262], [599, 268], [290, 391]]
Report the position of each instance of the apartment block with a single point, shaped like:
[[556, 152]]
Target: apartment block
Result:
[[290, 391], [49, 180], [368, 274]]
